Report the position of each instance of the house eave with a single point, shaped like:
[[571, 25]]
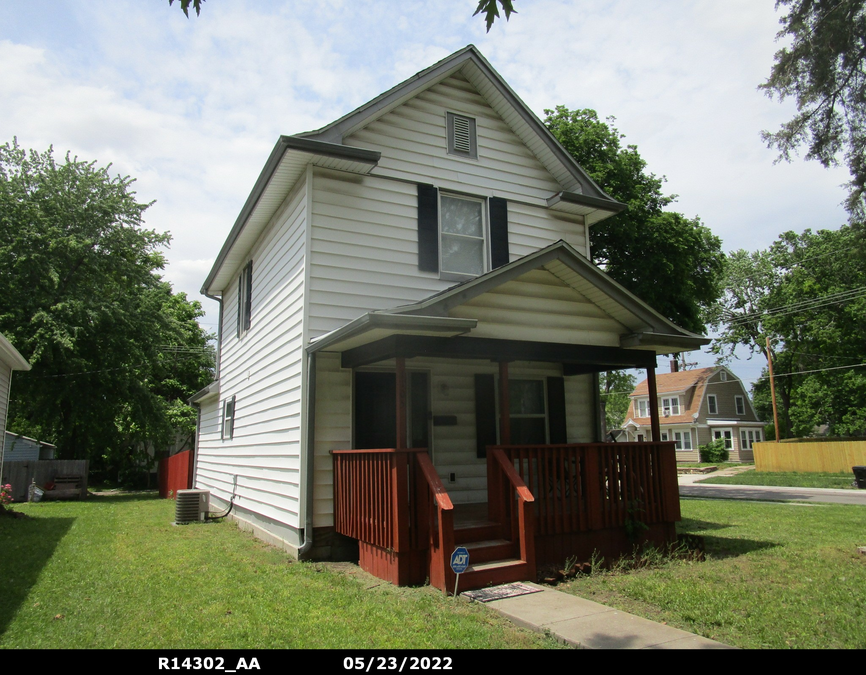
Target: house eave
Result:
[[11, 356], [204, 395], [593, 209], [287, 162], [663, 343], [375, 326]]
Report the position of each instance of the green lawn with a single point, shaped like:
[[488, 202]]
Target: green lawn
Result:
[[113, 572], [776, 576], [814, 480]]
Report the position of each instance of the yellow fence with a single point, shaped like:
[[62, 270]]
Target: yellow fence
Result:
[[830, 457]]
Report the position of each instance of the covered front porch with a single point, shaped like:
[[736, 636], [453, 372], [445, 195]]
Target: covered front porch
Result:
[[541, 503], [487, 395]]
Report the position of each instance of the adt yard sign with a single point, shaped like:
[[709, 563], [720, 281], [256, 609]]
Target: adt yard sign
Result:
[[459, 563], [459, 560]]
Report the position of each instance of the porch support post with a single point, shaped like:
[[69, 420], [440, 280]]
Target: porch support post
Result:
[[401, 403], [654, 403], [504, 405]]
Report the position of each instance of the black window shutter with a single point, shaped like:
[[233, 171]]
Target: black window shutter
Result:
[[248, 309], [485, 413], [240, 301], [557, 428], [428, 228], [498, 232]]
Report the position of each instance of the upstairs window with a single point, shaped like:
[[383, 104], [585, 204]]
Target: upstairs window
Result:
[[643, 408], [462, 140], [462, 236], [712, 406], [741, 405], [723, 376], [671, 406], [245, 299]]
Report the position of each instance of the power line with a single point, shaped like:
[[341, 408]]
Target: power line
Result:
[[803, 305]]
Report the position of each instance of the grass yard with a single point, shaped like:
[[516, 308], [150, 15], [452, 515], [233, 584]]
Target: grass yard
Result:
[[811, 480], [776, 576], [113, 572]]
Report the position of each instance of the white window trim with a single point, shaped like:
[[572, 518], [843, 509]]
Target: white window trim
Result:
[[485, 237], [244, 299], [227, 428], [740, 403], [673, 402], [643, 408], [722, 435], [712, 405]]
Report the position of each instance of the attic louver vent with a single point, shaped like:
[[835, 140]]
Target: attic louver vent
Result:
[[461, 136]]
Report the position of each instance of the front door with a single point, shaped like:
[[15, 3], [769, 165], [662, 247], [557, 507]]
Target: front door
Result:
[[375, 410]]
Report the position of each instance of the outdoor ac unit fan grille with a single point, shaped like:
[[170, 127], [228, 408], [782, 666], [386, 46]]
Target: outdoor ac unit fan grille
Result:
[[191, 505]]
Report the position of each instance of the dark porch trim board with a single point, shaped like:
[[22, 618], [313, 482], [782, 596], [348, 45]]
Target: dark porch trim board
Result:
[[411, 346]]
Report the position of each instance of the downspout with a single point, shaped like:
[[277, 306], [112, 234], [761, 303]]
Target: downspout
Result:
[[310, 450], [5, 424]]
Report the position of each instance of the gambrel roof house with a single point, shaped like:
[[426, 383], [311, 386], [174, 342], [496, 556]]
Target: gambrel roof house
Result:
[[410, 335], [697, 406]]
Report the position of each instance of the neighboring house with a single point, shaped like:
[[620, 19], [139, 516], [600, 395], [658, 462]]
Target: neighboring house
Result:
[[19, 448], [697, 406], [417, 275]]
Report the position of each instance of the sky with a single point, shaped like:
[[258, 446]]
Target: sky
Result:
[[191, 108]]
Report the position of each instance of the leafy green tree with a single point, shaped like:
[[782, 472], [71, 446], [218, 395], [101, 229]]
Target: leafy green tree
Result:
[[672, 262], [824, 70], [114, 351], [615, 386], [807, 294]]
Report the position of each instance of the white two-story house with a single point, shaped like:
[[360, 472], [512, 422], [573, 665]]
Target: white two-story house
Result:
[[405, 298]]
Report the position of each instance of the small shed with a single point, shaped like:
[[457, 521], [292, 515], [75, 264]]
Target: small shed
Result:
[[18, 448]]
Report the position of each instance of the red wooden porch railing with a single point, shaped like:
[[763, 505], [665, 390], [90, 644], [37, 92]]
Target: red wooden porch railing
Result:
[[436, 521], [592, 486], [510, 502]]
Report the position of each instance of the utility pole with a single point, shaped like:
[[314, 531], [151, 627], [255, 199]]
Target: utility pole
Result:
[[773, 389]]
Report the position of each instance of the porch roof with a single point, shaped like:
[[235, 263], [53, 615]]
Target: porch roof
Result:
[[634, 332]]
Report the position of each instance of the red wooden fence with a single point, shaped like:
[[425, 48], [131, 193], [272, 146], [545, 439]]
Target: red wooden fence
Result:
[[175, 473]]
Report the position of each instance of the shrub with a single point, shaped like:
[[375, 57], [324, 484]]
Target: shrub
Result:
[[714, 451]]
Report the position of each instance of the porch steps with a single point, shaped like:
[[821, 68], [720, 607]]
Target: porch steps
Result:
[[492, 559], [490, 550], [493, 573]]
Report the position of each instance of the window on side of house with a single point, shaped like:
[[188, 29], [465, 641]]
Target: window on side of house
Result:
[[228, 427], [741, 405], [683, 439], [462, 137], [245, 298], [726, 435], [723, 376], [643, 408], [528, 412], [462, 236], [712, 406]]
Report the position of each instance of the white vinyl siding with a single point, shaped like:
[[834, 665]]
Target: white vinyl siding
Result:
[[365, 250], [264, 371], [413, 142]]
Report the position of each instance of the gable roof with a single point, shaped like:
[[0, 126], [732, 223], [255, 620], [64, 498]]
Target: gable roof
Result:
[[575, 181], [324, 147], [650, 330]]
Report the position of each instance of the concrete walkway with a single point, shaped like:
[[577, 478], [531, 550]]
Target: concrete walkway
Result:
[[589, 625]]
